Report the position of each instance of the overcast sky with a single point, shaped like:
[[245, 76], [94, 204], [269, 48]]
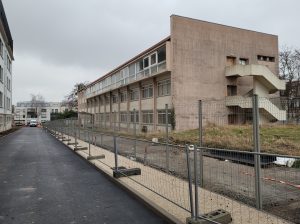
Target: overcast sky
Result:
[[58, 43]]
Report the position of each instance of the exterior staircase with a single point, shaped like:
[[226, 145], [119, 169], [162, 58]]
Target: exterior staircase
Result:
[[264, 82]]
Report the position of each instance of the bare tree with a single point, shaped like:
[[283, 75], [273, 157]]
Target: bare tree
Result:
[[71, 100], [289, 66]]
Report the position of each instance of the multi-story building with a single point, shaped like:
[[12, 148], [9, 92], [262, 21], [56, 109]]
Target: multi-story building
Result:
[[6, 57], [198, 61], [41, 111]]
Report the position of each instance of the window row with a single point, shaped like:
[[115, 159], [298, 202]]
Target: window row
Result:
[[164, 89], [131, 72], [132, 117], [5, 102]]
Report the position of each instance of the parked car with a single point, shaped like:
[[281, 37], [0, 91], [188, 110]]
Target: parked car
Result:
[[33, 123]]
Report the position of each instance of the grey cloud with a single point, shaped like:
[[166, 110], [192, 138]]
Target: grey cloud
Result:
[[94, 36]]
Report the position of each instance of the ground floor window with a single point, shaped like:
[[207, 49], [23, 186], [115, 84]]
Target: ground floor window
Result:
[[123, 117], [161, 116], [136, 116], [147, 117]]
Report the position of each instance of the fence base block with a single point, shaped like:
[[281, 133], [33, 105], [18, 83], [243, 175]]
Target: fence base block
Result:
[[96, 157], [79, 148], [65, 140], [219, 216], [123, 172]]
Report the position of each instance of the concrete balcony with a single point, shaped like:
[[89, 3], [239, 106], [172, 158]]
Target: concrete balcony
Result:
[[153, 70], [263, 103], [261, 74]]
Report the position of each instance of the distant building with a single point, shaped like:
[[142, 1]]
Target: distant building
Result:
[[198, 61], [6, 57], [41, 111]]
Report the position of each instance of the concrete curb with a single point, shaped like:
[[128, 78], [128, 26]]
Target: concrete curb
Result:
[[3, 136], [149, 204]]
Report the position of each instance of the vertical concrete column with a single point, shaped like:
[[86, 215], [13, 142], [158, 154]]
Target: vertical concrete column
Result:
[[140, 105], [99, 110], [87, 106], [104, 98], [154, 104], [111, 119], [128, 106], [119, 108]]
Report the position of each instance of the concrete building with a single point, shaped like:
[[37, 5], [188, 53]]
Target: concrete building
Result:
[[198, 61], [6, 57], [41, 111]]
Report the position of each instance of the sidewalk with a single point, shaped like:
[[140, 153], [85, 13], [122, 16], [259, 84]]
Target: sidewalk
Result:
[[175, 189]]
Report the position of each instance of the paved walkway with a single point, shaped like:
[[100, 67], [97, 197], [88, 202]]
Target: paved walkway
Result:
[[41, 181]]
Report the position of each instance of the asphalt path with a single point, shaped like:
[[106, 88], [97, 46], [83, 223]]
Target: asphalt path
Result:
[[42, 181]]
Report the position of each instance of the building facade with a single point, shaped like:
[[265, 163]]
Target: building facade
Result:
[[40, 111], [198, 61], [6, 57]]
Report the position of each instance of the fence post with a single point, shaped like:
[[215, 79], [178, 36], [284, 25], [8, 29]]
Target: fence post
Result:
[[115, 144], [200, 116], [256, 139], [190, 181], [89, 142], [134, 130], [196, 182], [167, 138]]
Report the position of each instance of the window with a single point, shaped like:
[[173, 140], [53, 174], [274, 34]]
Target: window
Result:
[[56, 110], [44, 116], [1, 47], [123, 96], [8, 83], [132, 70], [134, 94], [114, 98], [231, 90], [153, 58], [230, 60], [265, 58], [161, 116], [107, 117], [7, 103], [123, 117], [43, 110], [147, 91], [147, 117], [139, 65], [136, 116], [1, 99], [146, 62], [1, 74], [164, 87], [161, 54], [243, 61], [107, 99]]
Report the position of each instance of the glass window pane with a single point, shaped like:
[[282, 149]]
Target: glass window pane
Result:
[[146, 62]]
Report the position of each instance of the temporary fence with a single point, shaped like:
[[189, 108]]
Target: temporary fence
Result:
[[207, 176]]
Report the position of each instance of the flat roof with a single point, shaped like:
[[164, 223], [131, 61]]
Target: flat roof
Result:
[[219, 24]]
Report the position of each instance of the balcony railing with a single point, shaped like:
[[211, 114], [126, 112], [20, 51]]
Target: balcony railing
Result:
[[148, 72]]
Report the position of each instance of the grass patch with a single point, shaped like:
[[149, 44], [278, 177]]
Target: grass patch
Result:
[[277, 139]]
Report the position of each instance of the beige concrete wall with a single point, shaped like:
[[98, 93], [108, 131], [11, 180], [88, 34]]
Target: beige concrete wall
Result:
[[199, 51]]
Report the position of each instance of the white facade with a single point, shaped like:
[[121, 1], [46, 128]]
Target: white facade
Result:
[[6, 57], [41, 111]]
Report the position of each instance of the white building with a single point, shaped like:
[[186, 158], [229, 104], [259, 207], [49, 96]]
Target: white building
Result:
[[6, 57], [41, 111]]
